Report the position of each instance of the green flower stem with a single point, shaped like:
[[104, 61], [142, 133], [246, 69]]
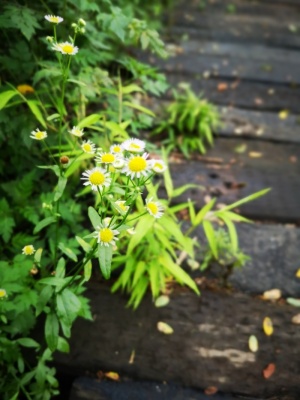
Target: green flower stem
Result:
[[50, 152]]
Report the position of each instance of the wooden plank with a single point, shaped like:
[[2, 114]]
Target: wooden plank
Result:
[[239, 94], [92, 389], [274, 253], [209, 346], [235, 176], [234, 68]]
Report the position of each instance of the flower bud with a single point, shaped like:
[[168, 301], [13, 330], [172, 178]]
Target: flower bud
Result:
[[81, 22], [50, 39], [64, 160]]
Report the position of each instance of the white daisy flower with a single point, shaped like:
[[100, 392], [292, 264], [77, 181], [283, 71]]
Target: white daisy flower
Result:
[[76, 131], [3, 293], [88, 147], [119, 163], [38, 135], [106, 158], [54, 19], [122, 208], [106, 236], [28, 250], [134, 145], [137, 166], [65, 48], [97, 178], [116, 149], [154, 208], [158, 166]]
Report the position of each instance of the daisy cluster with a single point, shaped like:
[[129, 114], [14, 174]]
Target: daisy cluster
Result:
[[130, 162]]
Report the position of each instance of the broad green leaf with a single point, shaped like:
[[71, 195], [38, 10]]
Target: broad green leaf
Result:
[[38, 255], [68, 306], [88, 121], [43, 223], [67, 251], [6, 96], [27, 342], [51, 331], [63, 345], [44, 296], [94, 217], [59, 189], [139, 108], [210, 235], [53, 281], [85, 245], [105, 257], [61, 268], [246, 199], [33, 105]]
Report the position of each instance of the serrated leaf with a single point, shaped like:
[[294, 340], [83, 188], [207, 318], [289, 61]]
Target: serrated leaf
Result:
[[105, 257]]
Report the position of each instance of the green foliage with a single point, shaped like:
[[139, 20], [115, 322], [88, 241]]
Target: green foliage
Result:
[[190, 122]]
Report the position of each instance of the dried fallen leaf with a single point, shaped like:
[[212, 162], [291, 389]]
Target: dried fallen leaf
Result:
[[165, 328], [283, 114], [162, 301], [222, 86], [114, 376], [269, 371], [268, 326], [293, 302], [273, 294], [298, 273], [210, 390], [253, 343], [255, 154], [296, 319], [132, 357]]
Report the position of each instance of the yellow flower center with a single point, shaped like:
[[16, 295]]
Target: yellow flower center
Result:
[[153, 208], [2, 293], [108, 158], [39, 135], [106, 235], [97, 178], [67, 48], [28, 250], [54, 19], [87, 147], [117, 149], [122, 205], [157, 165], [134, 146], [137, 164]]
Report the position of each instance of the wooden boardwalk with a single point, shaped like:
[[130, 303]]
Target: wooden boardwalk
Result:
[[244, 56]]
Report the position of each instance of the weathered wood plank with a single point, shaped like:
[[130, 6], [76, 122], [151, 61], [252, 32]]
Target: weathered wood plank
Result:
[[230, 176], [274, 253], [92, 389], [209, 346]]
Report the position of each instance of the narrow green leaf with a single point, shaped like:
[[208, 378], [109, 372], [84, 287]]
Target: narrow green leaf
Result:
[[38, 255], [184, 188], [88, 121], [105, 257], [27, 342], [139, 108], [59, 190], [53, 116], [85, 245], [43, 223], [210, 235], [61, 268], [33, 105], [142, 228], [44, 296], [246, 199], [68, 306], [55, 168], [232, 232], [51, 331], [131, 88], [87, 270], [6, 96], [94, 217], [201, 214], [67, 251]]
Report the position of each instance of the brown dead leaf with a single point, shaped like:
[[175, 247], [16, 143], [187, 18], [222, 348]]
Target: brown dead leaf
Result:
[[296, 319], [222, 86], [210, 390], [273, 294], [132, 356], [269, 370], [114, 376]]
